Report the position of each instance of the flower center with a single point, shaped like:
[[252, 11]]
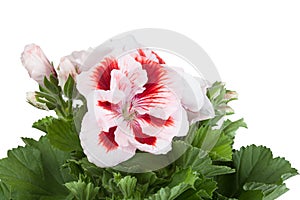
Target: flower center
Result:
[[128, 113]]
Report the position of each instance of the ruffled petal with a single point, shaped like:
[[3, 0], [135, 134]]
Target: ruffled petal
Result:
[[149, 54], [147, 143], [134, 72], [120, 83], [97, 78], [164, 131], [100, 147], [157, 96], [78, 59], [105, 113], [192, 93], [124, 134]]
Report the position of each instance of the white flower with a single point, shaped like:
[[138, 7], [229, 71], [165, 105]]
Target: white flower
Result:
[[36, 63], [137, 102], [72, 65]]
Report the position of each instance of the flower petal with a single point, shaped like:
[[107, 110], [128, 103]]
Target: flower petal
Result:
[[176, 125], [147, 143], [119, 83], [78, 59], [100, 148], [123, 135], [134, 71], [156, 95], [149, 54], [107, 139], [104, 112], [192, 92], [97, 78], [148, 127]]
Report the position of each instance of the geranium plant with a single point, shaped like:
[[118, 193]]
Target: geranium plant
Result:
[[116, 118]]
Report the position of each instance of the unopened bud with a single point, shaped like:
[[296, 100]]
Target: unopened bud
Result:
[[31, 98], [231, 95]]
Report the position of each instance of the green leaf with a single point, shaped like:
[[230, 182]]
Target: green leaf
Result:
[[52, 84], [222, 151], [218, 196], [53, 79], [5, 191], [200, 161], [215, 142], [167, 193], [220, 97], [250, 195], [90, 169], [203, 189], [269, 191], [69, 87], [149, 183], [63, 135], [183, 176], [255, 164], [78, 114], [82, 190], [216, 92], [181, 181], [206, 138], [229, 128], [43, 123], [218, 142], [127, 186], [74, 167], [35, 171]]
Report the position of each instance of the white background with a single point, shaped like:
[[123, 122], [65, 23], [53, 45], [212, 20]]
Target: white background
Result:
[[254, 44]]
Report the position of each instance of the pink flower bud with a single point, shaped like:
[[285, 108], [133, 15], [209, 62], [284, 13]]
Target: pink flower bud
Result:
[[65, 69], [72, 65], [36, 63]]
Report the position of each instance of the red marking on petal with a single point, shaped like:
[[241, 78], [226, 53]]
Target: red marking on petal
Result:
[[107, 139], [141, 52], [154, 121], [151, 97], [105, 105], [114, 108], [102, 73], [140, 136], [155, 72], [160, 60], [156, 93]]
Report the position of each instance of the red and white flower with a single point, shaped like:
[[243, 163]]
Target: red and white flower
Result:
[[137, 102], [36, 63]]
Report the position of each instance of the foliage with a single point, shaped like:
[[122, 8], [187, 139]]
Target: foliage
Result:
[[54, 167]]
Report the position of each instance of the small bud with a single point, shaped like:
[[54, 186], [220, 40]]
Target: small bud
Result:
[[230, 95], [31, 98], [226, 109]]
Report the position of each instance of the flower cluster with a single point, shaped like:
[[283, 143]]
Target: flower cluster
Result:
[[135, 101]]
